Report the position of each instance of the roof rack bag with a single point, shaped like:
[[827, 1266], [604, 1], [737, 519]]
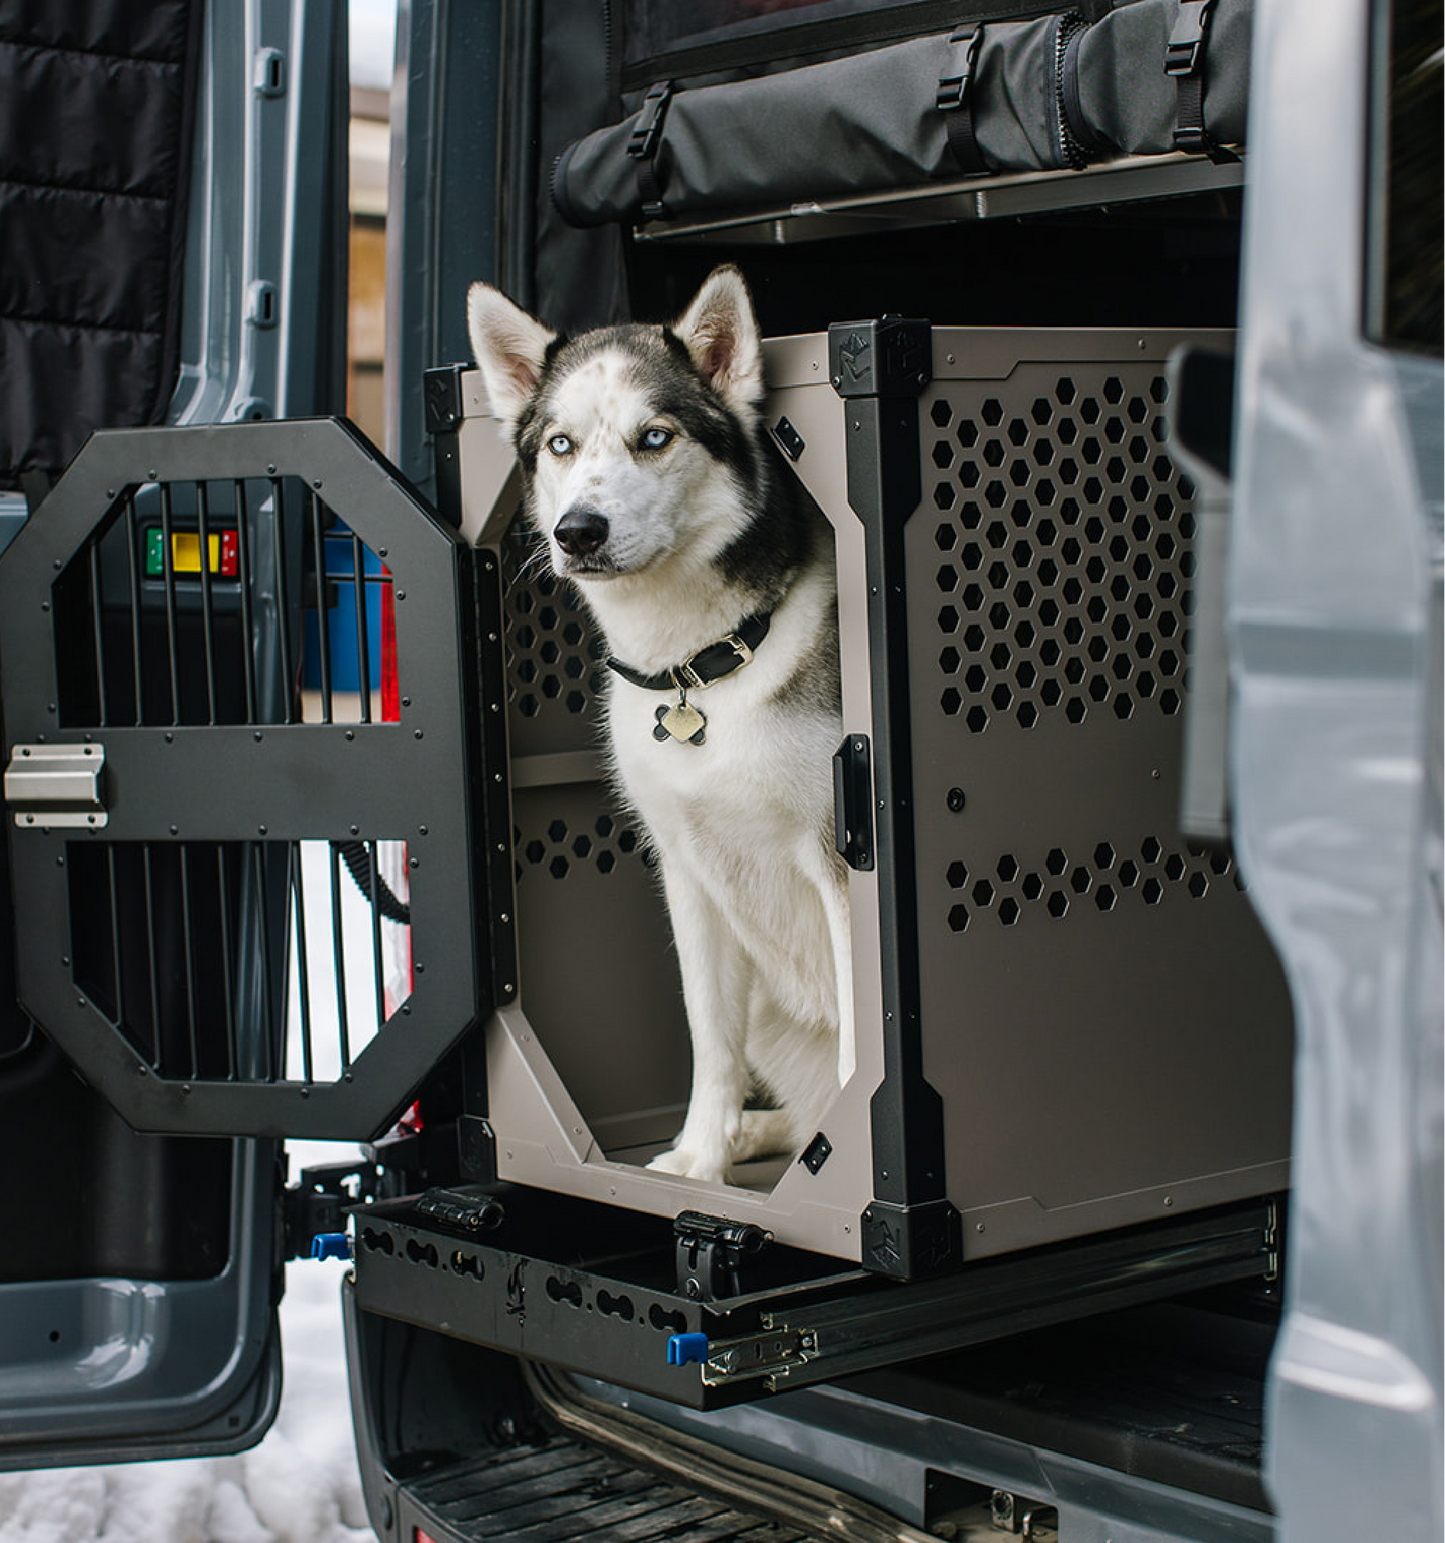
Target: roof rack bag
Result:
[[1059, 92]]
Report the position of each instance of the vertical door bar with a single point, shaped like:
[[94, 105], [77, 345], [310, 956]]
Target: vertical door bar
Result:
[[228, 965], [338, 946], [373, 852], [263, 911], [155, 976], [168, 570], [243, 571], [203, 531], [120, 1016], [97, 614], [188, 950], [132, 537], [283, 612], [363, 642], [303, 968], [323, 620]]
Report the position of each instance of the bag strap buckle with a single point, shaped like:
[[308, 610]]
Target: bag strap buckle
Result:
[[953, 89], [647, 131], [642, 147], [1184, 64], [1186, 42]]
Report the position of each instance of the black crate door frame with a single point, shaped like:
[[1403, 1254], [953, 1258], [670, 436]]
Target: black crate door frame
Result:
[[156, 613]]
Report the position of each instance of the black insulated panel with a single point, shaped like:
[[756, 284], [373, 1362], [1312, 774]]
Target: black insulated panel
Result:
[[95, 126]]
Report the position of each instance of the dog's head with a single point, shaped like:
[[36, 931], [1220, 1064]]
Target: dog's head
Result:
[[635, 441]]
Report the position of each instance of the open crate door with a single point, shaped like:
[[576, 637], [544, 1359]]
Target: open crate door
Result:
[[191, 828], [187, 830], [140, 1273]]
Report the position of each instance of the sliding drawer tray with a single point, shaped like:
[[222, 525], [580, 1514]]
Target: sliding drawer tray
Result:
[[621, 1296]]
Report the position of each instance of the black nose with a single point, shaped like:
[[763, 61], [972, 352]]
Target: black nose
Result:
[[581, 530]]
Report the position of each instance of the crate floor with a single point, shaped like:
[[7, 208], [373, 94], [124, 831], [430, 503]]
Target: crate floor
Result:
[[759, 1175], [563, 1491]]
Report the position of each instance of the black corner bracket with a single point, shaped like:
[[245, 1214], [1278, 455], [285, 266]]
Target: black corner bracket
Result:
[[909, 1242], [442, 396], [890, 357], [476, 1149]]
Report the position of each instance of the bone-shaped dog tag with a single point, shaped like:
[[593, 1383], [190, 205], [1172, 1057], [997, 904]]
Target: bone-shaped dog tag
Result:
[[682, 722]]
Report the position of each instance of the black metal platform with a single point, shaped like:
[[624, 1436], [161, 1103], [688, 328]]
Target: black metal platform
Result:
[[602, 1291]]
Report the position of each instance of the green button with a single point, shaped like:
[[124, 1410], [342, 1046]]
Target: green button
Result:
[[155, 554]]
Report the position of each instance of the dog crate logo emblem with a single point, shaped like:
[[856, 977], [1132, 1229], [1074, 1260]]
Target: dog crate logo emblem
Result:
[[854, 351]]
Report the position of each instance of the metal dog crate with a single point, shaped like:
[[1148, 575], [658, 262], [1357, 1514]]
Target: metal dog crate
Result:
[[1068, 1019]]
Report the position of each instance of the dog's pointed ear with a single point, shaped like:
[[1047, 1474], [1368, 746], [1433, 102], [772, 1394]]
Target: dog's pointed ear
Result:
[[721, 333], [510, 347]]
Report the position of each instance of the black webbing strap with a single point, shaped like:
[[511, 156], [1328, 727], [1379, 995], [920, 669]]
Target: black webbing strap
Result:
[[1184, 61], [955, 99], [643, 144]]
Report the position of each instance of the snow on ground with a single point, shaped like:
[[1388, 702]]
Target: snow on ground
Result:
[[300, 1485]]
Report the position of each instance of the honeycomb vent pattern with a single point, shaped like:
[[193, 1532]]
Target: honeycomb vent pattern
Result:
[[553, 654], [561, 849], [1105, 877], [1064, 536]]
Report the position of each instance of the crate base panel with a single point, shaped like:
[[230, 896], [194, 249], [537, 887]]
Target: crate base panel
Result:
[[991, 1230], [594, 1289], [662, 1195], [544, 1141]]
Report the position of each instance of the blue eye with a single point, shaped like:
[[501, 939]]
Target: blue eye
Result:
[[657, 438], [559, 444]]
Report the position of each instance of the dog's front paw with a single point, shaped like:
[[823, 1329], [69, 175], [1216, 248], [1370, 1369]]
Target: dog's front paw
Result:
[[689, 1164]]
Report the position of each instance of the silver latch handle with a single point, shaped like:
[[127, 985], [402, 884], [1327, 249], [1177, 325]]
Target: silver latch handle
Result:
[[48, 786]]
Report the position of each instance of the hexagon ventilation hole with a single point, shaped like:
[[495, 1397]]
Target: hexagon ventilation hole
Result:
[[559, 849], [1106, 876], [553, 655], [1065, 533]]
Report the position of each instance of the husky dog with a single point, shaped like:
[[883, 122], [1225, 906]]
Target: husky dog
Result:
[[647, 468]]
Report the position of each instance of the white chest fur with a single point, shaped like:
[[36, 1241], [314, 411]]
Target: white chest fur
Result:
[[743, 825]]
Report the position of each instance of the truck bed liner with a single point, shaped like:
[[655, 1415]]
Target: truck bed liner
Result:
[[563, 1491]]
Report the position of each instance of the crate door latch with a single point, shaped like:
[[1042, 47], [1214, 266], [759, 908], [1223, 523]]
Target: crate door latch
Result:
[[853, 802], [52, 786]]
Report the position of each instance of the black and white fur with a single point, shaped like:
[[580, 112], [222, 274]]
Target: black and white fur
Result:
[[647, 467]]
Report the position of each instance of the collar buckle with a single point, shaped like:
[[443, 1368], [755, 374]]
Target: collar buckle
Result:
[[740, 648], [691, 675]]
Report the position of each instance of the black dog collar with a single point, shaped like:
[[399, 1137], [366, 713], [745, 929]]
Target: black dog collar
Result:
[[707, 664]]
